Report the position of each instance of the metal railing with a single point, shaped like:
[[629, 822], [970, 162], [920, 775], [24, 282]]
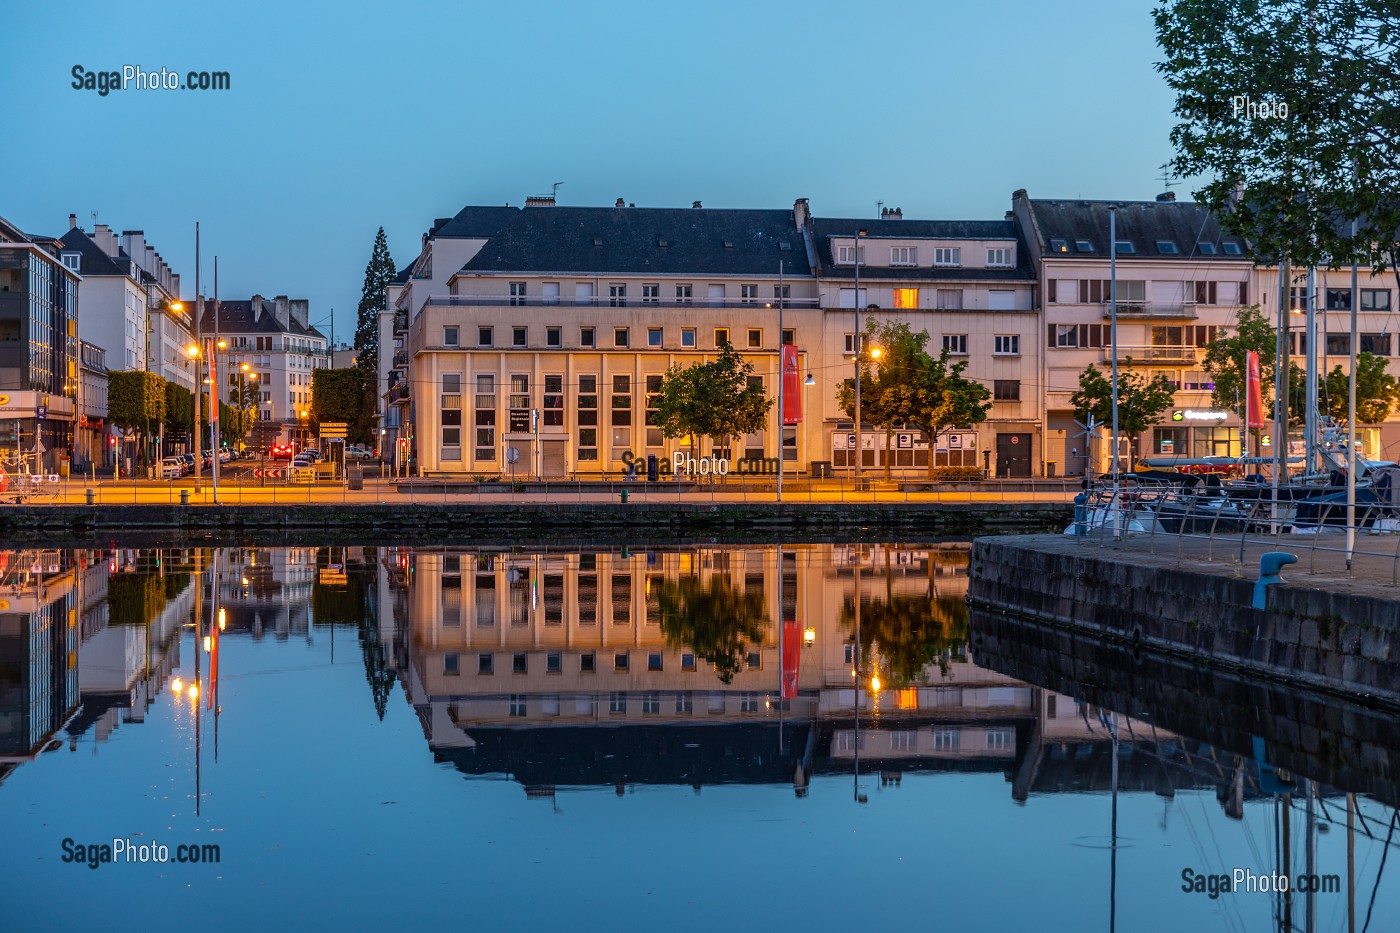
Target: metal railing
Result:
[[1137, 308], [607, 301], [1229, 520], [1152, 354]]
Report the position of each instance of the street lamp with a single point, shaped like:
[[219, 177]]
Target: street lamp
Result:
[[862, 352], [855, 258]]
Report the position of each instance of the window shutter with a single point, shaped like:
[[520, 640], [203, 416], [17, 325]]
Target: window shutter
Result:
[[1050, 335]]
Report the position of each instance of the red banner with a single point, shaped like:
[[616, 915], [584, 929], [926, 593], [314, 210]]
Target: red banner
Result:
[[213, 382], [213, 661], [792, 656], [792, 387], [1253, 393]]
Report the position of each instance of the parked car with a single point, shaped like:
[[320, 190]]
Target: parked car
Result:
[[188, 462], [280, 452], [171, 468], [312, 454], [225, 455], [356, 452]]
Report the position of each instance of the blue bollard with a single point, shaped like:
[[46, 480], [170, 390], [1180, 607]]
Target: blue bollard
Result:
[[1081, 510], [1269, 566]]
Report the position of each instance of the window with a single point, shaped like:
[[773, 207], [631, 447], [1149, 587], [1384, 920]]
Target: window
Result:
[[588, 662], [1001, 299], [950, 299], [651, 294], [554, 401], [651, 704], [654, 337], [451, 416], [586, 337], [998, 739], [1084, 246], [1379, 344], [849, 298], [947, 256], [1338, 344], [1001, 257], [554, 337], [485, 663], [715, 294], [955, 344], [1205, 249], [485, 416], [519, 402], [654, 661], [1006, 390], [684, 294], [721, 336], [617, 703], [620, 337], [1231, 249], [946, 740], [583, 293], [520, 663], [789, 337], [748, 703], [72, 261], [903, 256], [1059, 246], [1124, 247], [517, 704], [519, 336], [1206, 293], [451, 664], [617, 295], [748, 294], [517, 293], [688, 661], [1006, 344], [850, 344], [1167, 247], [620, 661], [684, 704], [549, 291], [846, 255], [653, 415], [449, 336], [1375, 299], [485, 336], [755, 338], [782, 292], [687, 336], [906, 298], [587, 415]]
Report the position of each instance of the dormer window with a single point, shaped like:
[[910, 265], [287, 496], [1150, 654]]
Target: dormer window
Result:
[[1084, 246], [1205, 249], [1059, 246], [1166, 247], [903, 256], [1125, 246], [72, 261], [1232, 249], [947, 256]]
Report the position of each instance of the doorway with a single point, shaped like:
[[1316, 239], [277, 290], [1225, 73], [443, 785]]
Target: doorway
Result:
[[1013, 455]]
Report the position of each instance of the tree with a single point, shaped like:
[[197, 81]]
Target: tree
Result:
[[889, 390], [713, 619], [179, 407], [338, 395], [1141, 400], [716, 399], [1225, 359], [1375, 391], [135, 400], [947, 400], [379, 275], [1292, 179]]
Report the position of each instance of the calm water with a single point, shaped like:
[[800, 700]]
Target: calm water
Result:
[[641, 739]]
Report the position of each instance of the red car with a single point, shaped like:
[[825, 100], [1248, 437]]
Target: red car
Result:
[[281, 452]]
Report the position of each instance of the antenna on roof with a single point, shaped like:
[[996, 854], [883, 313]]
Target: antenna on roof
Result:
[[1167, 176], [555, 192], [879, 208], [94, 219]]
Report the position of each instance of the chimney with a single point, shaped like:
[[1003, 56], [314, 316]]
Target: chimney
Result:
[[1167, 196], [801, 213], [105, 239], [695, 205], [300, 310], [281, 310], [542, 200], [620, 203], [891, 213], [72, 221]]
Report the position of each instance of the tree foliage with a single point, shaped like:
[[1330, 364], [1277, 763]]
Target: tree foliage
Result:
[[1335, 154], [906, 387], [179, 407], [712, 399], [338, 395], [1377, 392], [1141, 400], [1225, 358], [379, 275], [713, 619], [135, 398], [907, 633]]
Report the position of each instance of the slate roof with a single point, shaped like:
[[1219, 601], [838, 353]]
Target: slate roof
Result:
[[473, 222], [629, 240], [1143, 223], [92, 259], [238, 317], [824, 228]]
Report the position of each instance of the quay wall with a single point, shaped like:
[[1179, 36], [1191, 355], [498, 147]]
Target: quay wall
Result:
[[1325, 634]]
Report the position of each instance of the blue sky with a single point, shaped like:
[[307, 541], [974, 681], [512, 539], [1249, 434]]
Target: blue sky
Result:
[[345, 117]]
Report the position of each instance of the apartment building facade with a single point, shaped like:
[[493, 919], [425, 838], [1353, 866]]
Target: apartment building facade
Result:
[[275, 337]]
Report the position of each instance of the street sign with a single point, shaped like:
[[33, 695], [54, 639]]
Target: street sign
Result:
[[333, 429], [269, 473], [512, 454]]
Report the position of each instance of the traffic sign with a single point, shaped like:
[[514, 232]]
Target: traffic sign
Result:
[[333, 429], [270, 473]]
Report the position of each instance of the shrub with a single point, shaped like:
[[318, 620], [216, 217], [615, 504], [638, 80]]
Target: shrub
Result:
[[957, 474]]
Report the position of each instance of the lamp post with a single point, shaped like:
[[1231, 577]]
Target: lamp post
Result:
[[862, 353], [855, 258], [245, 372]]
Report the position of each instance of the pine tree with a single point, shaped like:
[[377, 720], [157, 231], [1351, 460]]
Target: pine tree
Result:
[[378, 275]]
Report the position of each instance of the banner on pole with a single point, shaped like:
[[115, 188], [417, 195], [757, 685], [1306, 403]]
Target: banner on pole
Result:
[[1254, 399], [792, 387], [792, 656]]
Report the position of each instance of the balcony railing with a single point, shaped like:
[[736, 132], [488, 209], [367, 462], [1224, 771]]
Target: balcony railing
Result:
[[603, 301], [398, 392], [1184, 310], [400, 359], [1151, 354]]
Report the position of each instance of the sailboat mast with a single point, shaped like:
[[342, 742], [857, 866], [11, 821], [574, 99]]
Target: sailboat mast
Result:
[[1310, 415]]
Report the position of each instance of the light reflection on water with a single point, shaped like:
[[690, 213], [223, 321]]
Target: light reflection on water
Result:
[[611, 738]]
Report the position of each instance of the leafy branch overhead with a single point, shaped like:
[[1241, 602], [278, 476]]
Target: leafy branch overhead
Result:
[[716, 399]]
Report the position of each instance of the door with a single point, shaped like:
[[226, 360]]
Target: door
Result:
[[1014, 455], [552, 459]]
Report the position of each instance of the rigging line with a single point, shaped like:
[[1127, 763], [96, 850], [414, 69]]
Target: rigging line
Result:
[[1215, 842], [1380, 871]]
